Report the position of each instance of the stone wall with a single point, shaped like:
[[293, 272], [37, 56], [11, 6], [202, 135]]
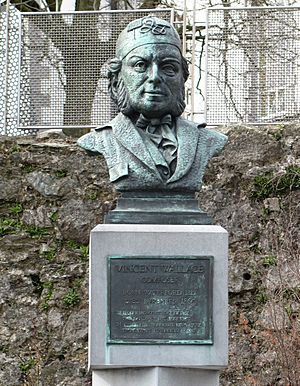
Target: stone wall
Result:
[[52, 194]]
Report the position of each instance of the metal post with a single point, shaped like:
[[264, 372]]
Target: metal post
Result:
[[193, 61], [206, 66], [19, 69], [184, 29], [6, 66]]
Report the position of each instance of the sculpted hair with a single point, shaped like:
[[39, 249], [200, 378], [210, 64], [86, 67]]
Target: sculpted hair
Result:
[[119, 94]]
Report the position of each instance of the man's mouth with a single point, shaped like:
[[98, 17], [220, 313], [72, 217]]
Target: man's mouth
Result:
[[154, 93], [154, 96]]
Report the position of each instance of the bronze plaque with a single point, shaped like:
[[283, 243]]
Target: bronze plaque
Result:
[[160, 300]]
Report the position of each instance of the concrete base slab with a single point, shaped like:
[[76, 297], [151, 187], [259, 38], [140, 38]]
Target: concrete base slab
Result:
[[156, 376]]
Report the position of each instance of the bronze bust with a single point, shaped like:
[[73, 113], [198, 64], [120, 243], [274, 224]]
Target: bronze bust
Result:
[[148, 146]]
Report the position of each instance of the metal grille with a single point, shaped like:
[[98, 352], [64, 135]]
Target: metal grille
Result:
[[64, 66], [9, 71], [253, 65]]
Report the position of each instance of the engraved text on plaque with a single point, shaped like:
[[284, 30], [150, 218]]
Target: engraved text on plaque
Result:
[[160, 300]]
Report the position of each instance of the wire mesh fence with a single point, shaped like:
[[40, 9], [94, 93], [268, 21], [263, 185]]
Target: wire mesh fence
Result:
[[53, 71], [65, 58], [253, 65], [59, 67], [10, 72]]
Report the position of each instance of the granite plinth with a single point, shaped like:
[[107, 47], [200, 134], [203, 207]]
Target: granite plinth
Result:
[[158, 241]]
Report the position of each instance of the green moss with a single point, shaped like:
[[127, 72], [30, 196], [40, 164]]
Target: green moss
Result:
[[91, 195], [292, 294], [269, 261], [27, 168], [262, 297], [278, 134], [60, 173], [14, 149], [50, 254], [72, 244], [77, 283], [9, 226], [84, 250], [270, 185], [48, 289], [26, 366], [53, 216], [35, 231], [61, 268]]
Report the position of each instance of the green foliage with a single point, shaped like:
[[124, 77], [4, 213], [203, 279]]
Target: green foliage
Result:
[[60, 173], [72, 298], [263, 187], [9, 226], [53, 216], [91, 195], [278, 134], [61, 268], [25, 366], [36, 231], [84, 249], [16, 209], [72, 244], [77, 283], [48, 287], [262, 297], [270, 185], [269, 261], [27, 168], [4, 349], [289, 310], [291, 294], [14, 149], [50, 254]]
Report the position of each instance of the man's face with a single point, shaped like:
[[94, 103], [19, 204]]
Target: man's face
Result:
[[153, 79]]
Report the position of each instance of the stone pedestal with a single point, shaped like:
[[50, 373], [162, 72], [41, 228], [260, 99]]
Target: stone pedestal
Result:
[[156, 376], [127, 353]]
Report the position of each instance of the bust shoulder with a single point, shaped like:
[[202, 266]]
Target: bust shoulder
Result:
[[210, 141]]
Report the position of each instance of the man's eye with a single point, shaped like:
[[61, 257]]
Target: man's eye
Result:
[[169, 69], [140, 66]]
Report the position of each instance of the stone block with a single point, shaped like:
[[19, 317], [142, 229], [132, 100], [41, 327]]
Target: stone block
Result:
[[156, 376], [159, 241]]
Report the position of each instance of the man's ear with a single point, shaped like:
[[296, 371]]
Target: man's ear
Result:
[[113, 87], [114, 69]]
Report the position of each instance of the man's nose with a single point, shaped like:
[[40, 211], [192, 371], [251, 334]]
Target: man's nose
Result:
[[154, 75]]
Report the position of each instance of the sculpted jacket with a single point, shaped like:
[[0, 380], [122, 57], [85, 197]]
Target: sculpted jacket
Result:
[[133, 165]]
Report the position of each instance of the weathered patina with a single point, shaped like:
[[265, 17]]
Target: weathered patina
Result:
[[148, 146], [160, 300]]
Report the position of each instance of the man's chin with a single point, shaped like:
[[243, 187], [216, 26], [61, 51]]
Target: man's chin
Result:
[[155, 110]]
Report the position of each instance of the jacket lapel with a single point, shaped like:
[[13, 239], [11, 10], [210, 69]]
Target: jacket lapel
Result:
[[128, 136], [187, 136]]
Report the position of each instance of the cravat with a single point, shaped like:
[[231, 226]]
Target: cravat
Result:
[[160, 132]]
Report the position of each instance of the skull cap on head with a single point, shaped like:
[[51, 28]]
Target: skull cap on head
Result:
[[148, 30]]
